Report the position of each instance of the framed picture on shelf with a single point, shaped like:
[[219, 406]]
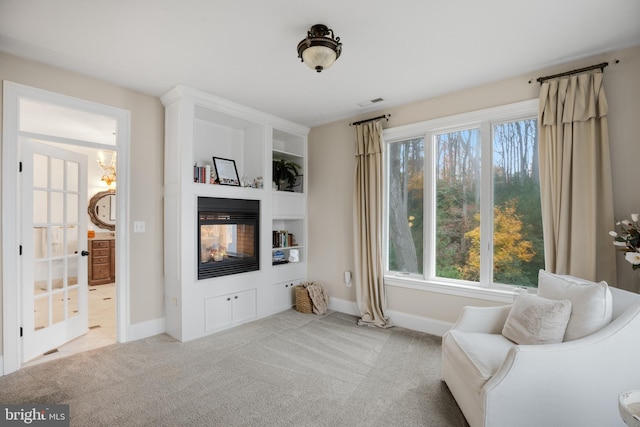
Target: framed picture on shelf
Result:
[[226, 171]]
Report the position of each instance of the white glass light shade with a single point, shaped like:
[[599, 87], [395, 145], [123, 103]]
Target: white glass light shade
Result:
[[319, 56]]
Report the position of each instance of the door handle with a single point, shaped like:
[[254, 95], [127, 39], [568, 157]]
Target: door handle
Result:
[[84, 253]]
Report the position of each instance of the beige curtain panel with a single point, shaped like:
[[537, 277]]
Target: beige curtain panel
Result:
[[368, 211], [575, 177]]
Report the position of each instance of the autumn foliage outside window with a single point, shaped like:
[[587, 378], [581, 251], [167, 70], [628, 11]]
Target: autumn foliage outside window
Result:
[[516, 227]]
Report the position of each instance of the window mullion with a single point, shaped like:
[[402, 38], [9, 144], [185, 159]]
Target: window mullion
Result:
[[486, 206], [429, 232]]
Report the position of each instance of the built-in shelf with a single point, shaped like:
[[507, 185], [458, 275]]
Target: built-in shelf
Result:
[[198, 127]]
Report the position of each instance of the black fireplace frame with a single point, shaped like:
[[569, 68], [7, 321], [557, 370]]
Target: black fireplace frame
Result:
[[215, 210]]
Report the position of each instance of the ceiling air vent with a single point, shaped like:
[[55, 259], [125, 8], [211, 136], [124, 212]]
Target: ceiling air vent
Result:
[[371, 101]]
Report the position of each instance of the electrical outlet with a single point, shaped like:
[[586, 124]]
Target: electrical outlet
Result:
[[347, 278], [139, 226], [174, 301]]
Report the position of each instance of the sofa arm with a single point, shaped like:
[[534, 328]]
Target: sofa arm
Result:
[[489, 320], [570, 383]]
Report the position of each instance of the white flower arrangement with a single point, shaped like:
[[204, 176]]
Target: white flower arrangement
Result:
[[628, 239]]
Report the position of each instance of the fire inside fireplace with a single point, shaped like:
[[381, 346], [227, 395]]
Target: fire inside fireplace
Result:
[[228, 236]]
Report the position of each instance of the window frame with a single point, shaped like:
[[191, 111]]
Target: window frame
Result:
[[484, 120]]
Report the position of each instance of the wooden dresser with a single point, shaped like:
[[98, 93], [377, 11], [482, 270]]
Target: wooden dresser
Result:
[[102, 261]]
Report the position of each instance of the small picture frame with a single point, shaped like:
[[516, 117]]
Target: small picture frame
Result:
[[226, 171]]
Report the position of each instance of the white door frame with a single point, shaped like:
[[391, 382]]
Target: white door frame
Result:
[[11, 212]]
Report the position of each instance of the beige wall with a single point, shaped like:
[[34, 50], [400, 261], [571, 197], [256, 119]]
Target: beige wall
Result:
[[146, 160], [331, 169]]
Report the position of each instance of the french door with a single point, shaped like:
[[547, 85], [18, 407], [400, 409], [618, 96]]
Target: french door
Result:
[[54, 247]]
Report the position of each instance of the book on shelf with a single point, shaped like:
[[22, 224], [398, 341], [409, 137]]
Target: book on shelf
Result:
[[283, 239], [201, 174]]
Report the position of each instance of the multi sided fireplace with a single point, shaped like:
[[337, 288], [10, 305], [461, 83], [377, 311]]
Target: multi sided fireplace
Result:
[[228, 236]]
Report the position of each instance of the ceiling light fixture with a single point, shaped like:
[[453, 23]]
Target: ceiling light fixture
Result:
[[320, 49]]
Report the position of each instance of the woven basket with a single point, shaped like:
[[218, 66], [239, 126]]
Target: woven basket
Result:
[[303, 302]]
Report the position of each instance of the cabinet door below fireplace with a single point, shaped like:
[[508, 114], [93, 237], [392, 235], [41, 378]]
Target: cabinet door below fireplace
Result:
[[230, 309]]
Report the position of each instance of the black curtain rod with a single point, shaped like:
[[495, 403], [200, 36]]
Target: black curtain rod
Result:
[[384, 116], [601, 66]]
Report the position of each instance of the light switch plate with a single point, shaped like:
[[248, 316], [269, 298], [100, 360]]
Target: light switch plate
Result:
[[138, 226]]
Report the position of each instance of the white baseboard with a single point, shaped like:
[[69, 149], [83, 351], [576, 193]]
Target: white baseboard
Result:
[[344, 306], [404, 320], [419, 323], [146, 329]]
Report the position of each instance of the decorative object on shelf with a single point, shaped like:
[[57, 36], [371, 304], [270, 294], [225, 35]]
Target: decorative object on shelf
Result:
[[320, 49], [226, 171], [285, 174], [628, 239], [108, 170], [279, 258], [629, 407], [294, 255]]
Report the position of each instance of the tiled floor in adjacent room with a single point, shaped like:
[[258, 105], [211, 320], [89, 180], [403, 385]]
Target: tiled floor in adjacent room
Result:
[[102, 325]]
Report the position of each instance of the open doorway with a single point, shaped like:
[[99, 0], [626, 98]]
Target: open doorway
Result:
[[41, 274]]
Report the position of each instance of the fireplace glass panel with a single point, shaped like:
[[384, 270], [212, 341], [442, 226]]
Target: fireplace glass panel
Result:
[[223, 241], [228, 236]]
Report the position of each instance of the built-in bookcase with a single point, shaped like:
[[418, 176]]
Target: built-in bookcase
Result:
[[200, 126]]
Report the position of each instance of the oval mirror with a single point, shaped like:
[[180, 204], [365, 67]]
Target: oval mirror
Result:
[[102, 209]]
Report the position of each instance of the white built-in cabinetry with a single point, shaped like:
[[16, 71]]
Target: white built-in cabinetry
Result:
[[199, 126]]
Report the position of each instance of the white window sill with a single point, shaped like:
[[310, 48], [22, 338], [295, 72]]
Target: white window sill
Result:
[[442, 287]]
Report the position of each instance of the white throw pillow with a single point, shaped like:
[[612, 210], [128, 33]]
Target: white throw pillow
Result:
[[537, 320], [591, 302]]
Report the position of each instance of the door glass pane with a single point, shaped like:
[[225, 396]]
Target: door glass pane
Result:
[[57, 174], [72, 270], [406, 178], [41, 273], [72, 303], [57, 241], [72, 208], [40, 199], [41, 312], [40, 248], [72, 176], [458, 204], [40, 277], [72, 240], [57, 273], [40, 171], [58, 307], [518, 250], [57, 207]]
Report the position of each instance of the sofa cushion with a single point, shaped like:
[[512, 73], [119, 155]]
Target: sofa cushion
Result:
[[476, 356], [591, 306], [537, 320]]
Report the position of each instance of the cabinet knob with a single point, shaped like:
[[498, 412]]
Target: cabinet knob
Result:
[[236, 297], [229, 299]]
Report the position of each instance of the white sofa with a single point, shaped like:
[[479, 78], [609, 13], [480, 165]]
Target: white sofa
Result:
[[498, 383]]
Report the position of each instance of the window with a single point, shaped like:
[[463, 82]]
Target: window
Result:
[[463, 199]]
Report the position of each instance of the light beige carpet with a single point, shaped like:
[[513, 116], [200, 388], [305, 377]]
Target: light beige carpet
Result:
[[290, 369]]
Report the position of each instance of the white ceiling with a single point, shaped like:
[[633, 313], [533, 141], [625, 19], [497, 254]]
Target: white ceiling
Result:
[[245, 50]]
